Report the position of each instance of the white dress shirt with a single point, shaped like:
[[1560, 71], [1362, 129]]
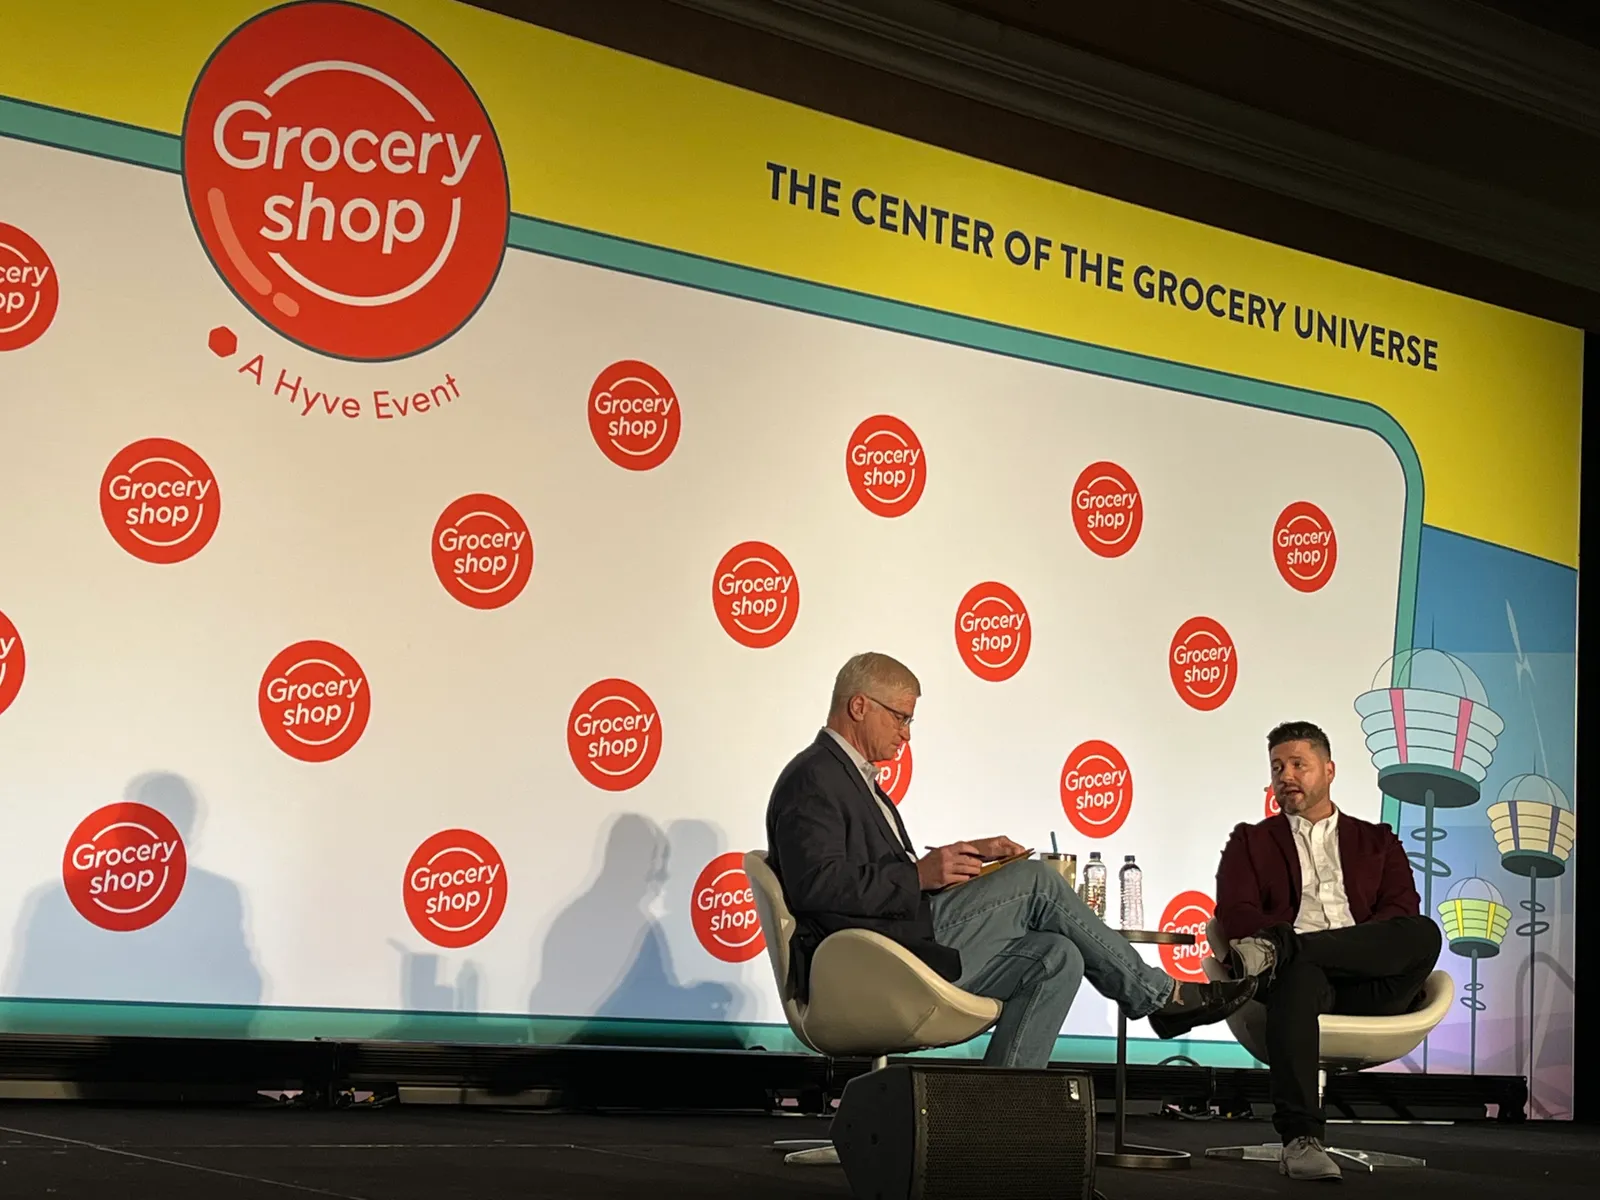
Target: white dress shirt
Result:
[[1323, 903], [869, 772]]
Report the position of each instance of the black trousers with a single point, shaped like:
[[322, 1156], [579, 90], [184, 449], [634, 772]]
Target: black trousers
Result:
[[1371, 970]]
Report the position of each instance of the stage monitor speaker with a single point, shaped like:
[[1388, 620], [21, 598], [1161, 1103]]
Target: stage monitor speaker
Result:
[[924, 1132]]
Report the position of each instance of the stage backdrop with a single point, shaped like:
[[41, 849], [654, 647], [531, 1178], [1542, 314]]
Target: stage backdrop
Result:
[[446, 462]]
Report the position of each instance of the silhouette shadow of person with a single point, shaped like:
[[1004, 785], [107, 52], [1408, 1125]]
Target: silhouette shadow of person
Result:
[[424, 986], [607, 956], [198, 953]]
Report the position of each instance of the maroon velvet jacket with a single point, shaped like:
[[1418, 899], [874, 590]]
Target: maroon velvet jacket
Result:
[[1258, 879]]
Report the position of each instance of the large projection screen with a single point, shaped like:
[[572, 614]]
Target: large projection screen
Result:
[[144, 679]]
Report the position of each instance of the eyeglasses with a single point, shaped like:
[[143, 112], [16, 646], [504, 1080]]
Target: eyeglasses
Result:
[[904, 718]]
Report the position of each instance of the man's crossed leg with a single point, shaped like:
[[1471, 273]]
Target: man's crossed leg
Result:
[[1028, 940]]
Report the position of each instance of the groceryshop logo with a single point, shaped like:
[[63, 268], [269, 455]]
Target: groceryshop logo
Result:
[[993, 632], [482, 551], [345, 180], [1096, 789], [455, 888], [884, 462], [755, 594], [1107, 510], [894, 774], [29, 291], [724, 914], [1303, 546], [13, 662], [1188, 913], [1203, 663], [614, 734], [634, 416], [314, 701], [124, 867], [159, 500]]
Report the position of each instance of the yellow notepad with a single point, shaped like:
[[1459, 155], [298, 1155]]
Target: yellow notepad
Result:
[[990, 867]]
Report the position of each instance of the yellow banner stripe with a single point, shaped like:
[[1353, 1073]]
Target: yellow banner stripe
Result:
[[604, 141]]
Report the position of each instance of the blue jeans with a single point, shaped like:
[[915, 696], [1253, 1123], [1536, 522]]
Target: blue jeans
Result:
[[1027, 940]]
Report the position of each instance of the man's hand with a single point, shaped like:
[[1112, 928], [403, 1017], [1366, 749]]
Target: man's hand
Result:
[[996, 847], [948, 864]]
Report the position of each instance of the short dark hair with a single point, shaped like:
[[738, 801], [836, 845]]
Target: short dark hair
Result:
[[1299, 731]]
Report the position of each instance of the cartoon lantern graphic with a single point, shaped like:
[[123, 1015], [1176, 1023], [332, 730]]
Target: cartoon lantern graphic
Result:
[[1432, 735], [1534, 828], [1475, 917]]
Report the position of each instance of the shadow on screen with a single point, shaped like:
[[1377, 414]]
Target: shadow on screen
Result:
[[198, 953], [609, 953], [426, 991], [424, 986]]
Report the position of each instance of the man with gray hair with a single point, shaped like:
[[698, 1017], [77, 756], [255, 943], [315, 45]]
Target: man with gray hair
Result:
[[1018, 935]]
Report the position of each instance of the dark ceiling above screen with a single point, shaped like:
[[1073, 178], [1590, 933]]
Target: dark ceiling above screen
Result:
[[1434, 140]]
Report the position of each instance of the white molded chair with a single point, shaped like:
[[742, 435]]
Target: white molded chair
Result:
[[1345, 1044], [869, 995]]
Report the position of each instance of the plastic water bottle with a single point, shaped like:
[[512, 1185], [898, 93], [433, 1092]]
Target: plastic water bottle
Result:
[[1132, 894], [1094, 885]]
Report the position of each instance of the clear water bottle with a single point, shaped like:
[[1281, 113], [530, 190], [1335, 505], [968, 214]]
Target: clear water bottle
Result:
[[1132, 893], [1094, 885]]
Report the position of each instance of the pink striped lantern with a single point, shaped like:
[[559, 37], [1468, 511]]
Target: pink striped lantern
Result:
[[1432, 736], [1430, 729]]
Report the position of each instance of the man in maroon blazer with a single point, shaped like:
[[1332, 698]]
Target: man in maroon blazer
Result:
[[1322, 908]]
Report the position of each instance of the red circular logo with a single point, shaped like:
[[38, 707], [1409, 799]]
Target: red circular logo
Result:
[[1304, 547], [1106, 509], [1187, 913], [634, 416], [29, 292], [725, 917], [345, 180], [482, 551], [1096, 789], [614, 735], [12, 662], [756, 595], [455, 888], [160, 501], [884, 464], [894, 774], [314, 701], [124, 867], [1272, 808], [1203, 663], [992, 632]]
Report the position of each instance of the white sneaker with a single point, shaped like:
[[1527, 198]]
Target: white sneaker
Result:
[[1251, 956], [1305, 1158]]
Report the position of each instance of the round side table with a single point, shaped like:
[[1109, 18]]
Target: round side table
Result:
[[1122, 1154]]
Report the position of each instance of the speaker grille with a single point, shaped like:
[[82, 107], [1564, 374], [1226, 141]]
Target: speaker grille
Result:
[[1018, 1136]]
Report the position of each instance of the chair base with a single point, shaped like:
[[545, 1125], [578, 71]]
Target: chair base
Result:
[[826, 1155], [1265, 1152], [1371, 1160], [1367, 1160]]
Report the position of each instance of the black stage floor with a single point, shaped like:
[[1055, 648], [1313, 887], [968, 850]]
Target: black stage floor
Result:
[[71, 1150]]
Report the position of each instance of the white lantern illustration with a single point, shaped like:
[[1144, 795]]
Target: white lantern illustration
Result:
[[1432, 735], [1534, 828]]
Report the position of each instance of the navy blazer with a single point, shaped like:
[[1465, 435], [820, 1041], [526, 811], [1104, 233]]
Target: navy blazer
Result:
[[841, 864], [1258, 879]]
